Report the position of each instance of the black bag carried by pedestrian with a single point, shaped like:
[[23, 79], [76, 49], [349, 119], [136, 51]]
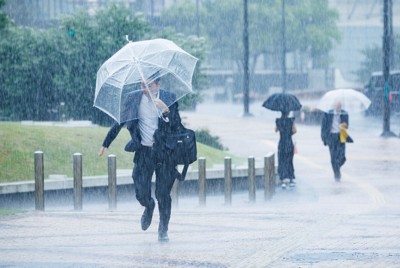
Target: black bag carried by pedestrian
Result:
[[181, 146]]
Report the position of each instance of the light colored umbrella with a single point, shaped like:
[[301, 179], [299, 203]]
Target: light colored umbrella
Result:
[[119, 78], [350, 99]]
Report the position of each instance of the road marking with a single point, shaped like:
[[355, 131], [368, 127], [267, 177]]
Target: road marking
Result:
[[376, 196]]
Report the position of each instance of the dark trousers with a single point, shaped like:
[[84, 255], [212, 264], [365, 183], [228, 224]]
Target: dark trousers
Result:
[[146, 162], [338, 153]]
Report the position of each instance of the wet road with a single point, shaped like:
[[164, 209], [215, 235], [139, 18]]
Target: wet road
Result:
[[320, 223]]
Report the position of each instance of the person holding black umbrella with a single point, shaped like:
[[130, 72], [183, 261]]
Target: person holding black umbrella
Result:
[[286, 127], [284, 103]]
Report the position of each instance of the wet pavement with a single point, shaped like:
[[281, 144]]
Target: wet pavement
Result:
[[319, 223]]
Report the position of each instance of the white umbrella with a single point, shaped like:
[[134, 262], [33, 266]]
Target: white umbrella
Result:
[[119, 78], [350, 99]]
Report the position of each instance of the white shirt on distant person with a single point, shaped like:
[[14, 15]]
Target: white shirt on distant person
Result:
[[335, 122]]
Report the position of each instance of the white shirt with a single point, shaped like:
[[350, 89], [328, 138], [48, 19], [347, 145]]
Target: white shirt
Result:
[[148, 120], [335, 123]]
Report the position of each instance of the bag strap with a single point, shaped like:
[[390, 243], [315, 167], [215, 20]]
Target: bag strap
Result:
[[183, 174]]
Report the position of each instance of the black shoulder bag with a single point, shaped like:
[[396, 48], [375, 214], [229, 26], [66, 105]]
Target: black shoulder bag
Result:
[[181, 146]]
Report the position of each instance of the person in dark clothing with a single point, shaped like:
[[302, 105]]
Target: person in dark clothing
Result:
[[146, 135], [333, 123], [286, 128]]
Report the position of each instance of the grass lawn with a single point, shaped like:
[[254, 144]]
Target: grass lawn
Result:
[[4, 212], [19, 142]]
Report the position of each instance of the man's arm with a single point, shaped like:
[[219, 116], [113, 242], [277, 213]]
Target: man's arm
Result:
[[324, 128], [111, 135], [173, 121], [174, 116]]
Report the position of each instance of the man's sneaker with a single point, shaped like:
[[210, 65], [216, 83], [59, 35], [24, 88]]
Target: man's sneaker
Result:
[[147, 215], [292, 184], [163, 237], [283, 185]]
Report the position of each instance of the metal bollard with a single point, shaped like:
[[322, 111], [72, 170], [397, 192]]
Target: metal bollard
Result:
[[252, 179], [202, 181], [175, 193], [39, 180], [112, 182], [228, 180], [269, 176], [77, 166]]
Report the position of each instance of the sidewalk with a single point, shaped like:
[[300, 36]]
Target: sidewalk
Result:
[[320, 223]]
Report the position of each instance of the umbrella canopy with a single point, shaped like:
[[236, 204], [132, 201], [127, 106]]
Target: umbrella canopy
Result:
[[282, 102], [351, 100], [119, 78]]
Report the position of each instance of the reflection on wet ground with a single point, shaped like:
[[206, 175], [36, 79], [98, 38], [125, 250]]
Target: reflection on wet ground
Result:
[[320, 223]]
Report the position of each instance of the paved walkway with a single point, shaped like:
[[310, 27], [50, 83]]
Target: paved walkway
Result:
[[320, 223]]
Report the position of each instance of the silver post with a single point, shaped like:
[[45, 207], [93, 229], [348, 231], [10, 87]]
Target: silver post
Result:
[[228, 180], [39, 180], [252, 179], [269, 176], [202, 181], [77, 181], [112, 182]]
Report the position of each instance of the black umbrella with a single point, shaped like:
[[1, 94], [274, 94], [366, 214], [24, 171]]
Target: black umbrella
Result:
[[282, 102]]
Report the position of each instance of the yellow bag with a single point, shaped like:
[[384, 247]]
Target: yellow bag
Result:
[[343, 135]]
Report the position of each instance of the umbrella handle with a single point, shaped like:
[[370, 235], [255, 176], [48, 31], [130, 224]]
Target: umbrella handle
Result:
[[166, 119], [127, 38]]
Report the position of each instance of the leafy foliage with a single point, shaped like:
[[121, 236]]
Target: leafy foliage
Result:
[[187, 23], [26, 77], [3, 17], [373, 60], [310, 27], [204, 136], [198, 48], [51, 74], [315, 29], [94, 40]]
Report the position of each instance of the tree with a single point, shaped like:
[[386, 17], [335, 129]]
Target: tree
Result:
[[197, 47], [93, 40], [372, 61], [311, 27], [183, 18], [44, 71], [26, 77], [3, 17]]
